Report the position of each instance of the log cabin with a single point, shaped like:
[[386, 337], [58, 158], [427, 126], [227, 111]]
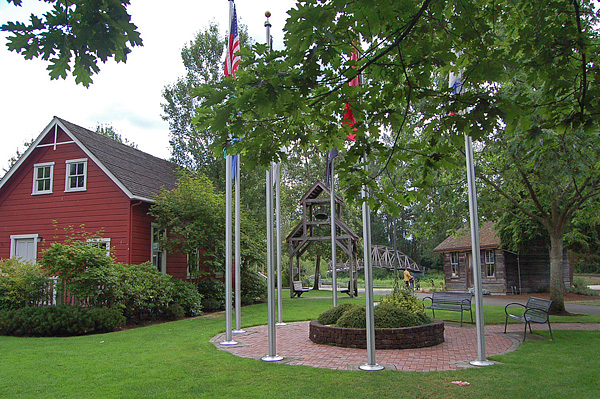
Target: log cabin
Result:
[[502, 271]]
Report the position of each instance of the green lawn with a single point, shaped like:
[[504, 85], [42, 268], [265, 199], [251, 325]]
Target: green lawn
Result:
[[176, 360]]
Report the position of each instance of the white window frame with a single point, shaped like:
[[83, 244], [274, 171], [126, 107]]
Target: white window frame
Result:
[[37, 166], [106, 241], [163, 265], [490, 263], [68, 176], [454, 265], [13, 241]]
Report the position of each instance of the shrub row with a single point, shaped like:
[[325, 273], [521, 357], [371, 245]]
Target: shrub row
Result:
[[57, 321]]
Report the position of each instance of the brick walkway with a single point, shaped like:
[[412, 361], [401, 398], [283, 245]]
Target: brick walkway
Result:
[[460, 348]]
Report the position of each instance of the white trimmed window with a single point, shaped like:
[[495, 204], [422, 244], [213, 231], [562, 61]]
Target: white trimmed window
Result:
[[454, 263], [159, 255], [490, 263], [102, 243], [43, 178], [76, 179]]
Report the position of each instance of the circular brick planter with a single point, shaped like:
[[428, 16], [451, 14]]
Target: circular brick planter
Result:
[[385, 338]]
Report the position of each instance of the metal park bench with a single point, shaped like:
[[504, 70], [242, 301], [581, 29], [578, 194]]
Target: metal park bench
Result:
[[453, 301], [536, 311], [298, 289]]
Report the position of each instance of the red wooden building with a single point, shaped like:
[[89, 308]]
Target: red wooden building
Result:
[[71, 176]]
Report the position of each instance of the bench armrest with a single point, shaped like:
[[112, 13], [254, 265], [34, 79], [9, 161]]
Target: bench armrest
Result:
[[513, 304], [427, 297]]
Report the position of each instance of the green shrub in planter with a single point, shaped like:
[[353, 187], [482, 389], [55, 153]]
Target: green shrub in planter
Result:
[[390, 316], [404, 299], [354, 317], [331, 316], [59, 321]]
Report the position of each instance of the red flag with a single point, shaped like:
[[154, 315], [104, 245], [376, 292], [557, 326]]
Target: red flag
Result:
[[349, 115], [232, 58]]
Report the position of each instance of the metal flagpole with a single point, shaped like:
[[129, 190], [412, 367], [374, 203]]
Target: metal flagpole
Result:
[[272, 356], [228, 337], [238, 256], [456, 82], [278, 231], [371, 365], [476, 251], [333, 246]]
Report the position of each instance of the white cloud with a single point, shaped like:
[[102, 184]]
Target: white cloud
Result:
[[128, 96]]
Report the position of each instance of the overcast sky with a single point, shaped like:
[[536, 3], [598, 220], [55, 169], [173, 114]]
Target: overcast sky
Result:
[[128, 96]]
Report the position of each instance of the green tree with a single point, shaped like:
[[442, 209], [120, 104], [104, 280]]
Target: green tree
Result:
[[203, 61], [530, 69], [74, 36], [194, 214]]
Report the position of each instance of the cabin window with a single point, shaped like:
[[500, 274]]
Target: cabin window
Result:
[[42, 178], [76, 175], [490, 263], [454, 263], [102, 243], [159, 255]]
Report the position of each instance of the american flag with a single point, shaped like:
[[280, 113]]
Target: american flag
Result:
[[233, 47]]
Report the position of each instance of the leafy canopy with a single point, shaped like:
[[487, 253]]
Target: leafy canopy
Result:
[[74, 36]]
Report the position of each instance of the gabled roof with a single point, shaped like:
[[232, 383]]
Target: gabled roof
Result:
[[316, 190], [138, 174], [461, 241]]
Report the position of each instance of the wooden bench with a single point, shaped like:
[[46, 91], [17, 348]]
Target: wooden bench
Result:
[[298, 289], [536, 311], [453, 301], [347, 290]]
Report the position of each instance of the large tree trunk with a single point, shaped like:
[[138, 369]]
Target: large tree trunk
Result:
[[557, 286], [317, 273]]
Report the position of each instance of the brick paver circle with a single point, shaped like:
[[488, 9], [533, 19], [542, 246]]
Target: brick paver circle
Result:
[[459, 348]]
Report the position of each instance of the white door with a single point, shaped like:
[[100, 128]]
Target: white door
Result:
[[24, 248]]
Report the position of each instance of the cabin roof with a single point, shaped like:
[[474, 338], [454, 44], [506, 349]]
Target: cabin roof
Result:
[[488, 239]]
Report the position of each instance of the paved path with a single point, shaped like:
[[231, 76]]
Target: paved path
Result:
[[456, 353]]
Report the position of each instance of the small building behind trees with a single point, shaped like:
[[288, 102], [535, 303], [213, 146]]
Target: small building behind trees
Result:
[[502, 271]]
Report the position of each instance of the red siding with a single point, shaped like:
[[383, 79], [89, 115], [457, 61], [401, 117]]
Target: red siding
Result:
[[102, 207]]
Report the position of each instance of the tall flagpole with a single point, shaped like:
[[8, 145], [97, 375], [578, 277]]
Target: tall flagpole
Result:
[[228, 297], [476, 251], [278, 241], [456, 82], [371, 365], [228, 337], [272, 356], [238, 251], [333, 239]]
